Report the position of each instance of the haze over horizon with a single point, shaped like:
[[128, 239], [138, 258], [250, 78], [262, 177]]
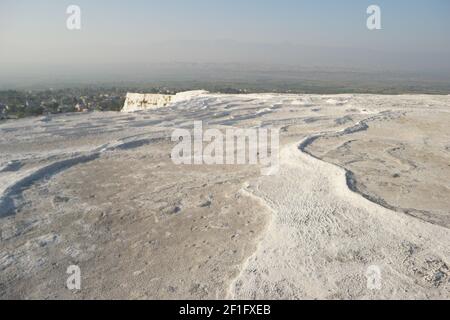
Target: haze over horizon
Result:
[[127, 40]]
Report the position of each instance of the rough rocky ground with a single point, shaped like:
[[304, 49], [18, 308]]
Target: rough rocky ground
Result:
[[99, 190], [400, 161]]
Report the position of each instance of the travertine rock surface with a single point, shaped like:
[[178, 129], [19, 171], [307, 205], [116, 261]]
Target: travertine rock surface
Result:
[[147, 101], [138, 101], [361, 195]]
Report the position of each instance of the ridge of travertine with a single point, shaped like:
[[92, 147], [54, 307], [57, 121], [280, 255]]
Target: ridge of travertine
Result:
[[148, 101]]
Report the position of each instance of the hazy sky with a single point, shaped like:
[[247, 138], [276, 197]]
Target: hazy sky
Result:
[[33, 33]]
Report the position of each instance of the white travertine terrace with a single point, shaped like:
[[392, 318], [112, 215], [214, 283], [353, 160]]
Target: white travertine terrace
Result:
[[146, 101], [138, 101], [363, 184]]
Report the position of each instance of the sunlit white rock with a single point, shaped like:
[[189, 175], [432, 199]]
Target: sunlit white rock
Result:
[[138, 101]]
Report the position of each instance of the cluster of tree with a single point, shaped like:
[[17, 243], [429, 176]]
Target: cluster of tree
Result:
[[19, 104]]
